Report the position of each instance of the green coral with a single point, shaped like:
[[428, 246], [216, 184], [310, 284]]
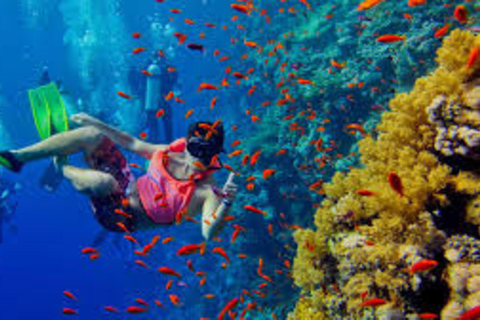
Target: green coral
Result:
[[399, 229]]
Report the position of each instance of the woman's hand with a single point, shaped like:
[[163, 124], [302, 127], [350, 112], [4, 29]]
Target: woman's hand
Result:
[[84, 119], [230, 191]]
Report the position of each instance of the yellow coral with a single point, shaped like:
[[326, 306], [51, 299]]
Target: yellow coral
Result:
[[404, 145]]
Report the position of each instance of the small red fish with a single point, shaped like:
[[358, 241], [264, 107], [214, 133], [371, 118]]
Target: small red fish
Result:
[[389, 38], [374, 302], [138, 50], [423, 266], [442, 31], [396, 183], [136, 310], [110, 309], [190, 249], [228, 307], [124, 95], [174, 298], [69, 295], [221, 252], [169, 271], [471, 314], [207, 86], [428, 316], [136, 35], [89, 250], [366, 193], [473, 57], [69, 311], [267, 173], [240, 8], [254, 209], [461, 14]]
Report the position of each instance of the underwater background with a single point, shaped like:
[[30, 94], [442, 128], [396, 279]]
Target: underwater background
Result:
[[363, 118]]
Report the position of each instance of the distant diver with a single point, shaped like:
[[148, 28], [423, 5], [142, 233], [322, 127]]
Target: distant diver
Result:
[[178, 183]]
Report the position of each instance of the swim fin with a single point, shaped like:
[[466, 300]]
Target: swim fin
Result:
[[8, 160], [50, 118]]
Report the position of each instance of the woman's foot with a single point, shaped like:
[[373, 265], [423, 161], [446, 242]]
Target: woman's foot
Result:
[[9, 161]]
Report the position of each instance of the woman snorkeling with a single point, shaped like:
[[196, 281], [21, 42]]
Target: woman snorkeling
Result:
[[178, 183]]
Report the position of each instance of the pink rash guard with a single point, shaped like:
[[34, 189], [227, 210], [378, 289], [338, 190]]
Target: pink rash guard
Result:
[[162, 195]]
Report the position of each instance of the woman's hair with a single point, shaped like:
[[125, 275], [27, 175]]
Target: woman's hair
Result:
[[201, 129]]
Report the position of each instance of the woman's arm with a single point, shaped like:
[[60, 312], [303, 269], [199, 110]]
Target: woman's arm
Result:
[[128, 142], [215, 208]]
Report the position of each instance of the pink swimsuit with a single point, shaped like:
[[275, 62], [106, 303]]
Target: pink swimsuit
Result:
[[161, 194]]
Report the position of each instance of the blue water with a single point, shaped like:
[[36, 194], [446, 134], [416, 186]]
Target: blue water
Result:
[[43, 258]]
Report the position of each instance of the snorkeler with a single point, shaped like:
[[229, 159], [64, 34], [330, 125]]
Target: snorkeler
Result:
[[178, 183]]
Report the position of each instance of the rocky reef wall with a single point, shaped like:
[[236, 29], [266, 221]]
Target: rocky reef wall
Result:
[[398, 237]]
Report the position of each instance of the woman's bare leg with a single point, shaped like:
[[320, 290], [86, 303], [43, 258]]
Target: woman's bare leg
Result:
[[90, 182], [83, 139]]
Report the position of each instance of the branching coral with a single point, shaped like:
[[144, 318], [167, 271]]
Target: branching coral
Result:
[[376, 235]]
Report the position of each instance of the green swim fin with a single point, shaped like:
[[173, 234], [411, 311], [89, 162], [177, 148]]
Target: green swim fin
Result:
[[50, 118]]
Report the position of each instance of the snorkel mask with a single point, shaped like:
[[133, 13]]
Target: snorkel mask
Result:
[[205, 140]]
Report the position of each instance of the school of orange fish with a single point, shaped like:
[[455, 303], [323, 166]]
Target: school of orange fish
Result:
[[245, 9]]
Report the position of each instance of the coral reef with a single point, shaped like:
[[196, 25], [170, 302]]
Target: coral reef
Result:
[[462, 275], [368, 235]]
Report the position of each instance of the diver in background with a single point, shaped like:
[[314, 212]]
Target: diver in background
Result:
[[178, 181], [159, 84], [8, 207]]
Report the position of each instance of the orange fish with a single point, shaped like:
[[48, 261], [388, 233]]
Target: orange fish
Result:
[[69, 311], [130, 238], [175, 11], [89, 250], [461, 14], [414, 3], [305, 81], [145, 72], [136, 35], [254, 158], [254, 209], [141, 263], [189, 21], [229, 306], [442, 31], [395, 183], [167, 240], [70, 295], [209, 296], [174, 298], [389, 38], [189, 113], [160, 113], [240, 8], [267, 173], [138, 50], [181, 37], [136, 310], [368, 4], [124, 95], [365, 193], [235, 153], [168, 271], [190, 249], [306, 4], [221, 252], [473, 57], [423, 266], [374, 302], [110, 309], [169, 96], [207, 86], [337, 64]]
